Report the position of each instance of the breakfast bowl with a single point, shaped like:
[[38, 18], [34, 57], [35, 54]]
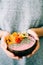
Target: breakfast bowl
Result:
[[22, 44]]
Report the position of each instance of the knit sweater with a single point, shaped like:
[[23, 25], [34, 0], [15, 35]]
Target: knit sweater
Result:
[[19, 15]]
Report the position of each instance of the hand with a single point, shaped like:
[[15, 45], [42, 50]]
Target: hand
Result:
[[32, 32], [4, 46]]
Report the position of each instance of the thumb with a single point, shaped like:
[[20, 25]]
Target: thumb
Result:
[[33, 34], [3, 43]]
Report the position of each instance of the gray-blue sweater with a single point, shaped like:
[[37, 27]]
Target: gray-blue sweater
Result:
[[20, 15]]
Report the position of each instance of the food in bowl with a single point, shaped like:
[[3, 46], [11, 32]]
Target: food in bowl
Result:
[[21, 44]]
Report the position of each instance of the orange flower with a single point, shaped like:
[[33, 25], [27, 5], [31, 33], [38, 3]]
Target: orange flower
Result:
[[15, 38], [15, 34]]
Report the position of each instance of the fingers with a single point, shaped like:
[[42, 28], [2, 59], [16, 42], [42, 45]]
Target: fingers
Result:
[[37, 47], [34, 51], [33, 33], [3, 42], [4, 47], [10, 54]]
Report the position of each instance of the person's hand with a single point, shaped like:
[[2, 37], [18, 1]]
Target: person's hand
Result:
[[33, 33], [10, 54], [4, 46]]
